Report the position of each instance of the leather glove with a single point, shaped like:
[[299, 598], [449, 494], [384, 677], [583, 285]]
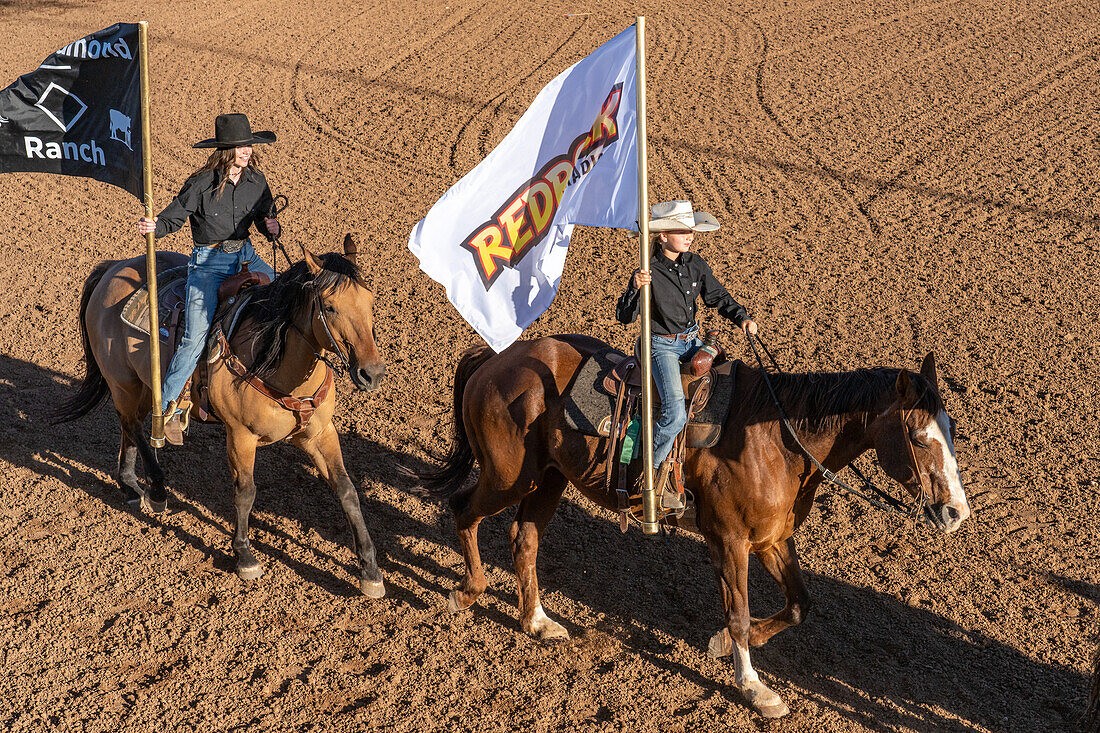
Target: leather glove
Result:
[[272, 227]]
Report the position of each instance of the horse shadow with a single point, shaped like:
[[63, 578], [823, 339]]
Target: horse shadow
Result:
[[198, 480], [917, 668]]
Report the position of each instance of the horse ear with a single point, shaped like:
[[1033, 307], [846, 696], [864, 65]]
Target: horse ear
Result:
[[928, 370], [904, 386], [350, 249], [312, 262]]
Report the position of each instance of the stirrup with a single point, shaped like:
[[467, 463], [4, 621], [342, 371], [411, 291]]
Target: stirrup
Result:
[[671, 500]]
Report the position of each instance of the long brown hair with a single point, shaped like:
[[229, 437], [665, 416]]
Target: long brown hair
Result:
[[222, 159]]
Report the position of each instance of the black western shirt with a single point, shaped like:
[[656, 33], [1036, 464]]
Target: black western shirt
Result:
[[675, 286], [217, 218]]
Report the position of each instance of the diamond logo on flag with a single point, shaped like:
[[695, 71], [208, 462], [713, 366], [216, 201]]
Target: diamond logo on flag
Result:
[[61, 106]]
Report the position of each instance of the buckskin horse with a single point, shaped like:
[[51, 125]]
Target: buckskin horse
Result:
[[321, 304], [752, 489]]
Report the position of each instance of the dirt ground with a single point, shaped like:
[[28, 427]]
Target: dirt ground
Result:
[[892, 178]]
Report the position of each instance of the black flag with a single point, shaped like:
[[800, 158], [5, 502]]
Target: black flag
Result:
[[79, 113]]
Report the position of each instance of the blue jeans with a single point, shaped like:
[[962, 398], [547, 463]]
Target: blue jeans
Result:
[[666, 355], [209, 266]]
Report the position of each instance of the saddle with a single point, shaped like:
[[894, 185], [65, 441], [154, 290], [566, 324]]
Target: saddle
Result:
[[624, 380], [171, 307]]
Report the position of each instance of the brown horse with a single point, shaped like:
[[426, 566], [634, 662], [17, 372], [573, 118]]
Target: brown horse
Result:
[[752, 489], [320, 304]]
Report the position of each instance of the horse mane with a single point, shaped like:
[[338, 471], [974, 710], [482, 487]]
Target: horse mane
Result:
[[274, 307], [819, 400]]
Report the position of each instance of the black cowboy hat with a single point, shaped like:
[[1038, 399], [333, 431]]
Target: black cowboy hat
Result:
[[233, 131]]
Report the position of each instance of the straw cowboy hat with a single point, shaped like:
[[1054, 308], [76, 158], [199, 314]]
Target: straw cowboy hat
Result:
[[233, 131], [675, 216]]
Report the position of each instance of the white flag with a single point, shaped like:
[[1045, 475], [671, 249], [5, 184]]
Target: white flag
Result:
[[497, 239]]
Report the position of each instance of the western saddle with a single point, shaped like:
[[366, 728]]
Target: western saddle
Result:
[[624, 381]]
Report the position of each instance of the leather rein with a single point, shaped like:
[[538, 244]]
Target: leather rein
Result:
[[885, 501]]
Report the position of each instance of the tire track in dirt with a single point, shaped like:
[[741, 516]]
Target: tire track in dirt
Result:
[[837, 177], [316, 119], [1018, 95], [884, 72], [921, 10]]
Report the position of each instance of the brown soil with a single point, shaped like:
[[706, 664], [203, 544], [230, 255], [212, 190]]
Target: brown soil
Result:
[[892, 178]]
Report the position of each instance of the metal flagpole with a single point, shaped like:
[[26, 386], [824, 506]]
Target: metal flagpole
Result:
[[649, 495], [156, 437]]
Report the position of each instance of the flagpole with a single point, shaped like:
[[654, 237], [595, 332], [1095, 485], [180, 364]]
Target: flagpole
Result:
[[649, 495], [156, 437]]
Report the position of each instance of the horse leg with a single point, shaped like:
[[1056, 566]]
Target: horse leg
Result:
[[131, 406], [731, 563], [781, 562], [473, 581], [324, 450], [532, 516], [241, 449], [126, 475]]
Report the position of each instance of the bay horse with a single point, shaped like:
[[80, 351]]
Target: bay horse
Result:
[[321, 304], [752, 489]]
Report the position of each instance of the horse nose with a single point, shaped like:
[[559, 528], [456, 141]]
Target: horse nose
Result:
[[369, 377], [952, 515]]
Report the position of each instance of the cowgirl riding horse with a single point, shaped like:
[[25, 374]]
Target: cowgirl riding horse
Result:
[[222, 200]]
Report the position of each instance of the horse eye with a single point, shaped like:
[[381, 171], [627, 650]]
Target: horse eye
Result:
[[915, 441], [329, 308]]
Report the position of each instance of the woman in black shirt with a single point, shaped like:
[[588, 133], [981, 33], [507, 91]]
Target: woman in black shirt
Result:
[[677, 278], [222, 200]]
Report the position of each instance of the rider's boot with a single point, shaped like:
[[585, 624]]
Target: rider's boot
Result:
[[173, 430], [671, 499]]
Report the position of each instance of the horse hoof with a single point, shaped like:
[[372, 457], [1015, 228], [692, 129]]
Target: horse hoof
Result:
[[555, 634], [250, 572], [454, 604], [154, 507], [372, 588], [773, 711], [720, 645], [764, 700]]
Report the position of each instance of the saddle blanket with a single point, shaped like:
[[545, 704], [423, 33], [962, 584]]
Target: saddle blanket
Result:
[[589, 406], [171, 293]]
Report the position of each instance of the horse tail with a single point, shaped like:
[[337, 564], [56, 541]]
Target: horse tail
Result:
[[93, 388], [445, 481]]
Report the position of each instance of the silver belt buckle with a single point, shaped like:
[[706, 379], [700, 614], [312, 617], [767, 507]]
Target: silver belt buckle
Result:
[[230, 246]]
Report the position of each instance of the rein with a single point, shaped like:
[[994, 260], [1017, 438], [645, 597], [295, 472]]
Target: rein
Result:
[[885, 502], [332, 340], [278, 206]]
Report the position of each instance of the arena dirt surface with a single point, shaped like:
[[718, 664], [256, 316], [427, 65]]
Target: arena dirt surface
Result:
[[892, 178]]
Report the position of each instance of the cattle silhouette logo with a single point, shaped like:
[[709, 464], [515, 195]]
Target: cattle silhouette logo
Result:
[[120, 128]]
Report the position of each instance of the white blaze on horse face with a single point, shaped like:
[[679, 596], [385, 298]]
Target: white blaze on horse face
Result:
[[937, 435]]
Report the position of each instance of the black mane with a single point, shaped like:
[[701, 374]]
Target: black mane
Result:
[[274, 307], [819, 400]]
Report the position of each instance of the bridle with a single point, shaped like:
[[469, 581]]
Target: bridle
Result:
[[345, 362], [885, 501]]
